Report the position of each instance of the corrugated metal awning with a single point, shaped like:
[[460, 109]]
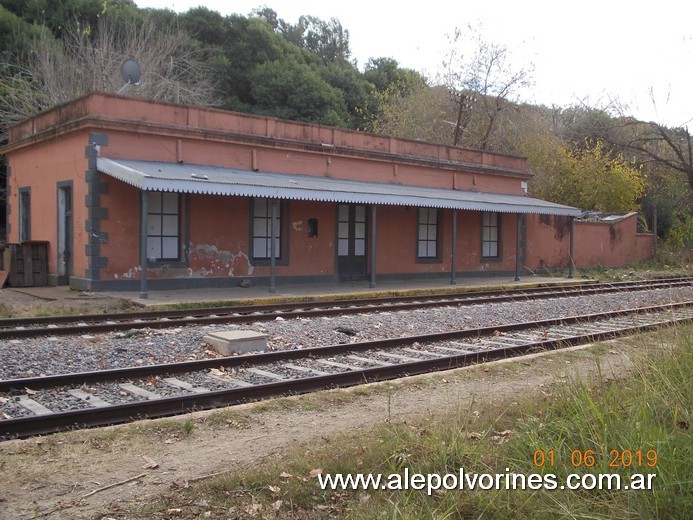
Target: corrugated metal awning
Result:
[[212, 180]]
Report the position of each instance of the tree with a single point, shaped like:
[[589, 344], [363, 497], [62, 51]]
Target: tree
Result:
[[15, 35], [356, 92], [57, 15], [292, 90], [667, 196], [483, 83], [390, 84], [328, 40], [422, 113], [580, 124], [589, 178], [670, 147], [89, 59]]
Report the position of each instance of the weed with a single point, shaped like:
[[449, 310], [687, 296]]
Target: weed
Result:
[[188, 426]]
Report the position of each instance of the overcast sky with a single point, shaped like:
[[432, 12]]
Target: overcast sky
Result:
[[592, 50]]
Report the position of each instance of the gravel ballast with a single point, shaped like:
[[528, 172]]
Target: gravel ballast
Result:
[[67, 354]]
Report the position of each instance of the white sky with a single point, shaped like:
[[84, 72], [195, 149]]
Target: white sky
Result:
[[592, 50]]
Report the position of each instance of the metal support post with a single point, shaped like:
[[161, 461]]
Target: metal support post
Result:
[[373, 246], [453, 269], [273, 248], [571, 265], [143, 245], [517, 247]]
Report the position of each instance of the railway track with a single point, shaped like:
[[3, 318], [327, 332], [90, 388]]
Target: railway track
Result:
[[36, 406], [16, 328]]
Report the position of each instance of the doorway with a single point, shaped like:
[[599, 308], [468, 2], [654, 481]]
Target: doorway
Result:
[[65, 233], [351, 242]]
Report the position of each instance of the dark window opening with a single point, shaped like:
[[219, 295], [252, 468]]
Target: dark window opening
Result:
[[490, 235], [262, 228], [427, 235], [24, 214], [312, 228], [163, 226]]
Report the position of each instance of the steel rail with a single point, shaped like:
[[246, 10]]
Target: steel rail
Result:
[[312, 302], [213, 315], [145, 371], [45, 424]]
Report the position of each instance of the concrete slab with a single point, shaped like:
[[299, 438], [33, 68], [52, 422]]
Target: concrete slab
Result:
[[260, 293], [33, 406], [231, 342]]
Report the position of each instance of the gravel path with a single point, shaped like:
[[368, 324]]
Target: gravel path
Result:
[[63, 354]]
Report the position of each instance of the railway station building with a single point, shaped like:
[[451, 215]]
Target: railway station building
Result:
[[131, 194]]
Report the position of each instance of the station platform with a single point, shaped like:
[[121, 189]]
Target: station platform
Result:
[[301, 291]]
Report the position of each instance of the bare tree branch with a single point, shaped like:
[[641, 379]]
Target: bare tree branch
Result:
[[671, 147], [87, 60], [483, 82]]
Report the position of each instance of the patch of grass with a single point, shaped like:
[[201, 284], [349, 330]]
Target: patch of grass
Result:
[[665, 265], [651, 412], [227, 418], [584, 424]]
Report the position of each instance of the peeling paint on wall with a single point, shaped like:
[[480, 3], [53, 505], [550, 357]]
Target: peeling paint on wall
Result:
[[219, 262], [207, 260], [130, 274], [200, 273]]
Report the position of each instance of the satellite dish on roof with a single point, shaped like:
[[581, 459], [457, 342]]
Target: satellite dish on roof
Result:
[[130, 72]]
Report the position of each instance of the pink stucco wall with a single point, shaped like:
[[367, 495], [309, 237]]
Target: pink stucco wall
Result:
[[50, 148], [150, 130], [595, 243], [41, 169]]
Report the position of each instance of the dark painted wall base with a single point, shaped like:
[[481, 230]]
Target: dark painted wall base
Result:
[[162, 284]]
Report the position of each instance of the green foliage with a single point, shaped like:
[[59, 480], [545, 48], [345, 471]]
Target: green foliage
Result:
[[315, 80], [589, 178], [385, 74], [327, 40], [681, 232], [15, 34], [357, 94], [668, 194], [291, 90], [208, 27], [56, 15]]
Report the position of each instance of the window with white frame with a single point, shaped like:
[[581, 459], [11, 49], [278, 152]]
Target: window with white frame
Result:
[[262, 228], [163, 226], [427, 236], [490, 235]]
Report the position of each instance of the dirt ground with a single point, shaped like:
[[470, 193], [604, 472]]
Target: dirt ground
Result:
[[18, 302], [69, 476]]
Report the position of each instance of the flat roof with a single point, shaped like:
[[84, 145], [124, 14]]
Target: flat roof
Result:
[[214, 180]]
